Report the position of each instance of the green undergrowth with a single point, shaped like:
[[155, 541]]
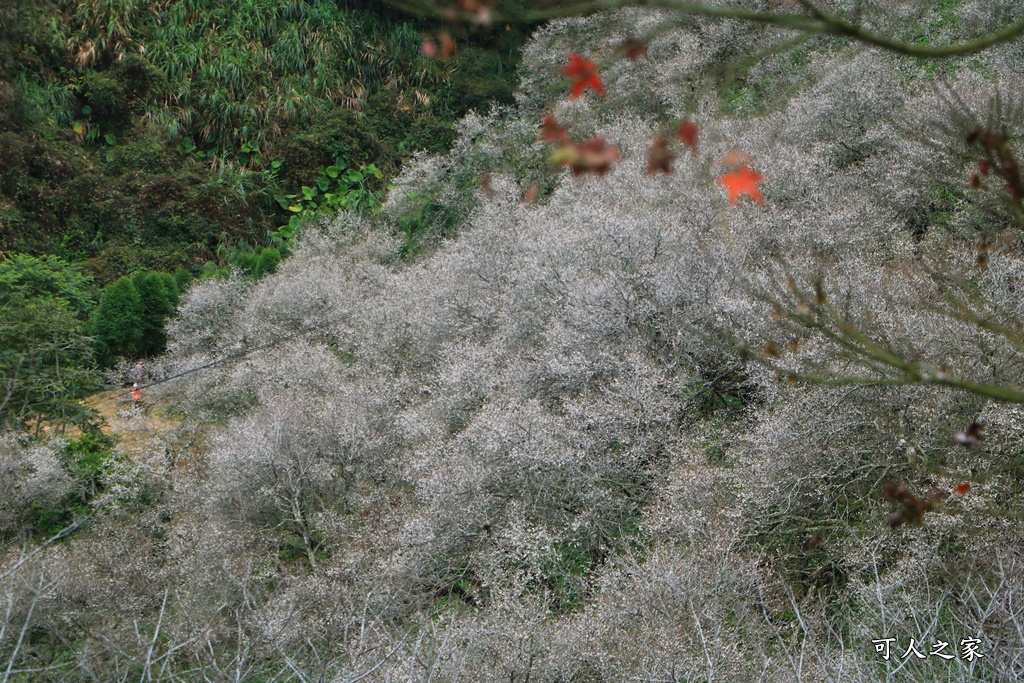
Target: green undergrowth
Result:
[[86, 460], [140, 135]]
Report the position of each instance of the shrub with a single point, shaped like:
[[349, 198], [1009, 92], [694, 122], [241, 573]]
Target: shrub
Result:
[[266, 262]]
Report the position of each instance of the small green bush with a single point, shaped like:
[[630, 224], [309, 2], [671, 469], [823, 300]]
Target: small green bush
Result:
[[107, 99], [266, 262]]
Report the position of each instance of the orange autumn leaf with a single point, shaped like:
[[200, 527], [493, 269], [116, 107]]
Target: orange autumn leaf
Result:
[[742, 182], [735, 158], [443, 48], [482, 13], [660, 157], [583, 73], [551, 131], [593, 156], [687, 132]]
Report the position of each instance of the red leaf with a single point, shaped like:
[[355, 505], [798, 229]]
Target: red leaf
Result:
[[596, 156], [961, 489], [632, 48], [552, 132], [485, 183], [687, 132], [660, 157], [970, 438], [447, 44], [530, 196], [583, 73], [482, 12], [742, 182]]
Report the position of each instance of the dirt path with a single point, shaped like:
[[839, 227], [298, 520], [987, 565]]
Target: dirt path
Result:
[[143, 432]]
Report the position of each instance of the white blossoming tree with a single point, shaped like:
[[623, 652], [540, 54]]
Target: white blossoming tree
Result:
[[547, 440]]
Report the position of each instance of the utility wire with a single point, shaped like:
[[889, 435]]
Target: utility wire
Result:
[[243, 353]]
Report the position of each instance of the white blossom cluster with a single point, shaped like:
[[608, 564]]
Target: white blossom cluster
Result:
[[529, 453], [30, 477]]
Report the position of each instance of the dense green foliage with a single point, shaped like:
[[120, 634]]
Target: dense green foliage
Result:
[[46, 362], [158, 293], [139, 134], [117, 322], [131, 314]]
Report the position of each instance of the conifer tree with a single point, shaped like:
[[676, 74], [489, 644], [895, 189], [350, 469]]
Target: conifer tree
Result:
[[158, 293], [118, 323]]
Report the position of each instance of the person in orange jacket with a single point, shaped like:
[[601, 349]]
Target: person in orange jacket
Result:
[[136, 394]]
